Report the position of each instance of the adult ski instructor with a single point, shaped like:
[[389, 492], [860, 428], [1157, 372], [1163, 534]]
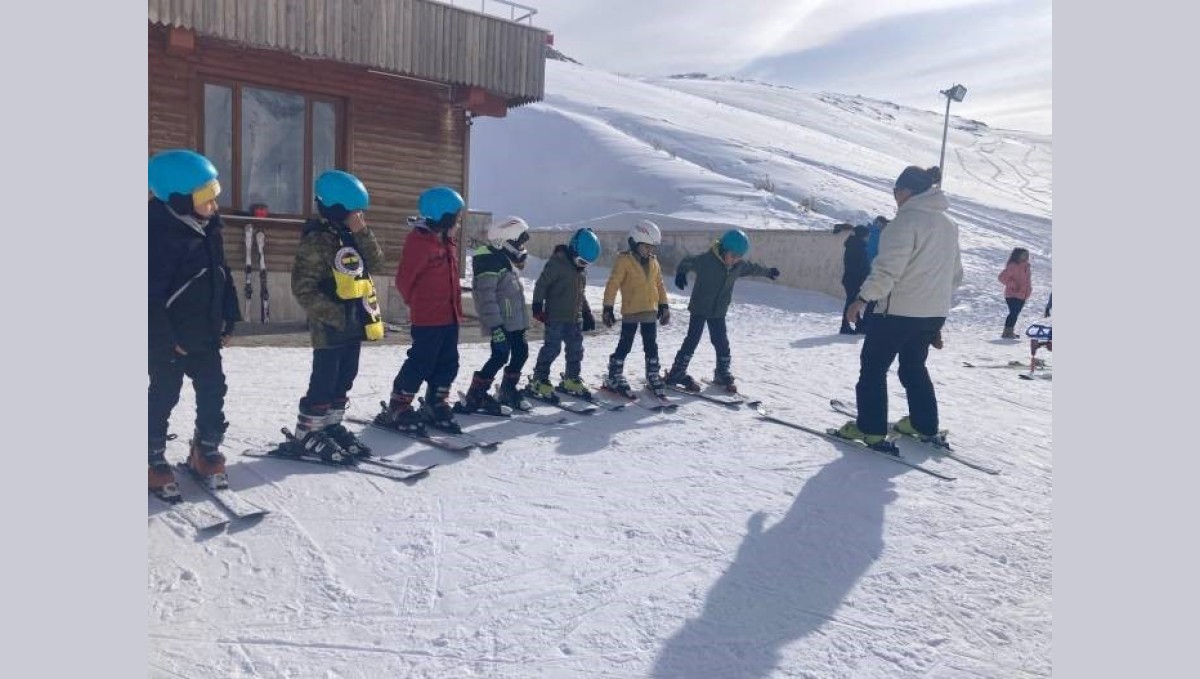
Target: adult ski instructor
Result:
[[912, 279]]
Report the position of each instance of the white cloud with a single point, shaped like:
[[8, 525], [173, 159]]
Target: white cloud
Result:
[[901, 51]]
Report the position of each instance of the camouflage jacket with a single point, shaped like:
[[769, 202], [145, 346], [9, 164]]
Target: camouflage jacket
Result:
[[331, 320]]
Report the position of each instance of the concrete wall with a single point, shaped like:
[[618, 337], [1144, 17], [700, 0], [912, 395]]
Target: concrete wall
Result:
[[809, 260]]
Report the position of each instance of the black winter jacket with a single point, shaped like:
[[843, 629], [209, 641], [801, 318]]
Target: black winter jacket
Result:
[[857, 265], [192, 298]]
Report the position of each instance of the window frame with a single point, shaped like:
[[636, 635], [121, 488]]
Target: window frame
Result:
[[234, 184]]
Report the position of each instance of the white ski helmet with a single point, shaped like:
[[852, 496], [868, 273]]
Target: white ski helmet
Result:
[[645, 231], [509, 235]]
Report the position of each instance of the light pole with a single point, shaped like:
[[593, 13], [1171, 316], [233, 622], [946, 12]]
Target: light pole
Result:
[[955, 93]]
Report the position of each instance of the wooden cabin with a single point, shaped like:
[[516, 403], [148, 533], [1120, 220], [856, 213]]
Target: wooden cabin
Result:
[[275, 92]]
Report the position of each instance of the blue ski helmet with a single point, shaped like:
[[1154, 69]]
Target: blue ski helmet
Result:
[[335, 187], [585, 245], [438, 202], [736, 242], [183, 172]]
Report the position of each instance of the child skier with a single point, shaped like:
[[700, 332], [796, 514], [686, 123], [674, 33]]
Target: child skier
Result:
[[500, 301], [193, 309], [427, 280], [560, 304], [331, 278], [717, 269], [637, 276]]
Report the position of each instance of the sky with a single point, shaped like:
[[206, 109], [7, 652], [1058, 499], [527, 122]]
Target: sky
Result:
[[903, 51], [701, 544]]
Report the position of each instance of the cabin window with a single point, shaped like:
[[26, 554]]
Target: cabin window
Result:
[[269, 145]]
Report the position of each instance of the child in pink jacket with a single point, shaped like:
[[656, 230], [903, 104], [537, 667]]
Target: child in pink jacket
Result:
[[1017, 288]]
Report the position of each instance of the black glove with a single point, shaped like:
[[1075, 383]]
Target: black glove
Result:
[[608, 317], [664, 314], [681, 280], [937, 342], [589, 321], [772, 273], [539, 312]]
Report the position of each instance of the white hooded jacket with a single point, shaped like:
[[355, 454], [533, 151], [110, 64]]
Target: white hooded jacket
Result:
[[919, 264]]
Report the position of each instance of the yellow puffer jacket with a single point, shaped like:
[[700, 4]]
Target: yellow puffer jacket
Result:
[[641, 286]]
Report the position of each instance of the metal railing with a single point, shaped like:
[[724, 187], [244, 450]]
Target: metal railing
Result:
[[496, 11]]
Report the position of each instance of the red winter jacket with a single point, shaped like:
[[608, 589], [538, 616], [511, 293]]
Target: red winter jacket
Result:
[[427, 279]]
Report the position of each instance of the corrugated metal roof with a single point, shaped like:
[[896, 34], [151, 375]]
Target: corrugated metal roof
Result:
[[418, 38]]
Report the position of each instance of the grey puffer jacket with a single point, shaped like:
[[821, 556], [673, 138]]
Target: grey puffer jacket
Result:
[[497, 291]]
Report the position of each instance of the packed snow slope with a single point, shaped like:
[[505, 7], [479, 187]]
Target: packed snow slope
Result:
[[700, 544]]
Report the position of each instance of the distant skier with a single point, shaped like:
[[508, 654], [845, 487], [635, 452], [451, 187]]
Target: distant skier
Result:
[[1018, 286], [500, 302], [428, 281], [637, 275], [331, 279], [855, 267], [193, 310], [717, 270], [913, 278], [560, 303]]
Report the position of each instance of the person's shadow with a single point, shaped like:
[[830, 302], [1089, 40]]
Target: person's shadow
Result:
[[789, 580]]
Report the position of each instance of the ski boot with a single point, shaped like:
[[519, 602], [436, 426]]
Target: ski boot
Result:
[[313, 438], [346, 439], [905, 428], [436, 412], [654, 380], [478, 399], [400, 415], [678, 375], [206, 460], [162, 478], [722, 377], [539, 387], [573, 386], [508, 394], [615, 382], [879, 442]]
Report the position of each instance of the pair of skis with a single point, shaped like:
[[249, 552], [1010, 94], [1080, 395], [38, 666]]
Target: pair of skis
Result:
[[575, 403], [453, 442], [369, 466], [720, 397], [264, 295], [644, 397], [521, 414], [938, 445], [226, 504]]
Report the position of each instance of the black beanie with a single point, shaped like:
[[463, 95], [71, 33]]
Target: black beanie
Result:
[[918, 179]]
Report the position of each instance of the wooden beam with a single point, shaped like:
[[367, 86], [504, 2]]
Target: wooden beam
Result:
[[480, 102], [181, 41]]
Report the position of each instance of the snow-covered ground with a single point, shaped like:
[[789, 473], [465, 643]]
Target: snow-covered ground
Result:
[[704, 543]]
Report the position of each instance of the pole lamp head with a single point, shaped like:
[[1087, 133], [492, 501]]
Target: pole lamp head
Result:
[[957, 93]]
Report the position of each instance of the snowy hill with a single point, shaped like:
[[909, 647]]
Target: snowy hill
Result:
[[700, 544], [701, 149]]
